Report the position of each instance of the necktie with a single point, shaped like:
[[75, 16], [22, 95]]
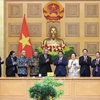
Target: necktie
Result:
[[96, 68]]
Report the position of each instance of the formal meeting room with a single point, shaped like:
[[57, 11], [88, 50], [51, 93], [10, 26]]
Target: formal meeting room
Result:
[[49, 49]]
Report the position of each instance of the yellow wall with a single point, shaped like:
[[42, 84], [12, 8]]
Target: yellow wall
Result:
[[79, 41]]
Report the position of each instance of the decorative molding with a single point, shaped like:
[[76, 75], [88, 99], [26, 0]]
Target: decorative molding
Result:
[[14, 29], [72, 9], [50, 24], [34, 44], [76, 46], [92, 29], [91, 10], [15, 85], [35, 29], [92, 47], [72, 29], [34, 10], [13, 46], [86, 86], [15, 10]]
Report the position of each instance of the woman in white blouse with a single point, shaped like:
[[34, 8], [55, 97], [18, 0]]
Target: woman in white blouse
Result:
[[74, 67]]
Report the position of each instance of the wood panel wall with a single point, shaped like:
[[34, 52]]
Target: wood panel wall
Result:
[[79, 26]]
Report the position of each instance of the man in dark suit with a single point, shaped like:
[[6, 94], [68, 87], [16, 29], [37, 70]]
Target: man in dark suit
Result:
[[1, 62], [11, 64], [61, 63], [96, 65], [85, 63], [44, 63]]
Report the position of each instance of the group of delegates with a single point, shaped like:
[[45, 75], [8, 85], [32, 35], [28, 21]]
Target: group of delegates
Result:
[[42, 65]]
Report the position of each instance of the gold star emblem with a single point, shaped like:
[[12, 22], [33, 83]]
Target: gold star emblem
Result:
[[24, 41]]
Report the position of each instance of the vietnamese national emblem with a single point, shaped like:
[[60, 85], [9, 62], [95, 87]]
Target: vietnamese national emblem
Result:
[[53, 11]]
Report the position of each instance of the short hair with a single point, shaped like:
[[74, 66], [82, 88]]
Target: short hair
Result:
[[74, 54], [85, 49], [35, 50], [45, 49], [22, 50], [98, 52], [61, 52]]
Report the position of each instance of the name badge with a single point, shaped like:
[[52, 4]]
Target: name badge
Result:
[[50, 73]]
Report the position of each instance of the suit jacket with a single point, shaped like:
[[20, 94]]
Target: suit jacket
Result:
[[93, 65], [60, 67], [10, 68], [45, 66], [85, 66], [0, 66]]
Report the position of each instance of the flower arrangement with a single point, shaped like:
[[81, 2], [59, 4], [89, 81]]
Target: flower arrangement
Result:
[[53, 50], [46, 89]]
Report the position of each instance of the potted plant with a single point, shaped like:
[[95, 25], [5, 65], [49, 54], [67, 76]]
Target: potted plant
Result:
[[46, 89]]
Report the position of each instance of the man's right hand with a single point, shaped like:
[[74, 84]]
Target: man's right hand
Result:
[[47, 60], [2, 60], [14, 63], [97, 62], [85, 60], [59, 61], [26, 65], [35, 64]]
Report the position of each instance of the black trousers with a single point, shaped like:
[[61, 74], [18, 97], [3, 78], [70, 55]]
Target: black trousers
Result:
[[43, 74], [84, 75], [13, 75], [60, 75], [21, 75], [96, 74], [34, 75]]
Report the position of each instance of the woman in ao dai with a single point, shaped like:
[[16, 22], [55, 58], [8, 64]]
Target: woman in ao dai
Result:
[[73, 65]]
